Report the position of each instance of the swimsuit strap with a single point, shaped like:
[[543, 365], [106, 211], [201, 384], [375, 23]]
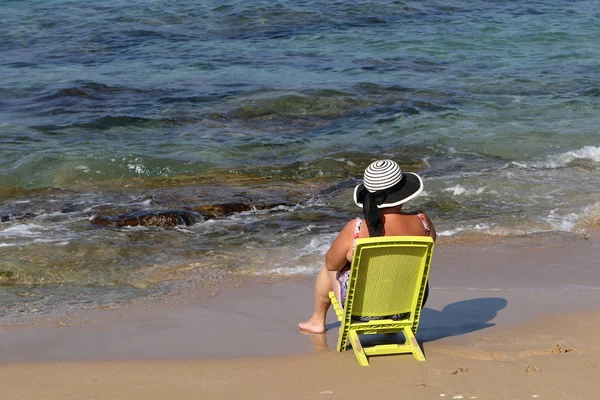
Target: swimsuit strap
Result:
[[356, 233], [425, 225]]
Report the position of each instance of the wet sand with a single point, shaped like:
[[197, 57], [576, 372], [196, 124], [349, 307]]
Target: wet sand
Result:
[[511, 320]]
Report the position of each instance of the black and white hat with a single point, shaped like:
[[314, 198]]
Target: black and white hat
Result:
[[385, 180]]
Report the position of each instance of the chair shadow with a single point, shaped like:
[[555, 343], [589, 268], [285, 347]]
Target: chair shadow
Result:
[[455, 319], [332, 325], [459, 318]]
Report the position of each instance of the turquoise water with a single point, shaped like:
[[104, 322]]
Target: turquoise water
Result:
[[115, 106]]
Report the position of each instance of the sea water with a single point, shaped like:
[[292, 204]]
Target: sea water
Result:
[[115, 106]]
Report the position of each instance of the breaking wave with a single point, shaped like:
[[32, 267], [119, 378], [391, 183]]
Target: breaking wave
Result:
[[565, 159]]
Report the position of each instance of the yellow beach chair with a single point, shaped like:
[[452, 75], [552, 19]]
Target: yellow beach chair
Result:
[[388, 278]]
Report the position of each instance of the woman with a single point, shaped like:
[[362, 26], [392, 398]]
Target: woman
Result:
[[384, 190]]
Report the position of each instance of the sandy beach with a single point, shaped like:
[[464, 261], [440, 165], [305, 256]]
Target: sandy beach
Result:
[[499, 336], [536, 361]]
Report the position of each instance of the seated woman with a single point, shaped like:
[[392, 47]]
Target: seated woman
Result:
[[384, 190]]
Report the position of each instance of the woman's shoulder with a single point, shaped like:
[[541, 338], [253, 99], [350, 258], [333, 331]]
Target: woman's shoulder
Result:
[[352, 224], [414, 212], [420, 214], [427, 224]]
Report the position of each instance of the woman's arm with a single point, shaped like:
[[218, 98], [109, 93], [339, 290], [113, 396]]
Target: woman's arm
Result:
[[432, 233], [335, 259]]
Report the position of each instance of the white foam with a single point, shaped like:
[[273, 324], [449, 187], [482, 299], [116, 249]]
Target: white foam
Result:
[[459, 190], [22, 230], [564, 222], [83, 168], [563, 159], [303, 261], [476, 227], [295, 270], [38, 240], [283, 208], [319, 244], [307, 228], [590, 152], [137, 168], [136, 228]]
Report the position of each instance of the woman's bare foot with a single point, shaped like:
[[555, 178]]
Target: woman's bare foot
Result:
[[312, 325]]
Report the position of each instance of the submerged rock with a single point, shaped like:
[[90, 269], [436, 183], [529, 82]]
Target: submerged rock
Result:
[[16, 217], [321, 104], [173, 218], [158, 218], [6, 276]]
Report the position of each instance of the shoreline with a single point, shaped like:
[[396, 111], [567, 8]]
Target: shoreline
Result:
[[260, 320], [536, 262]]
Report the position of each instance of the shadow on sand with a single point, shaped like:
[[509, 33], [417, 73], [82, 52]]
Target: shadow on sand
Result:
[[455, 319], [459, 318]]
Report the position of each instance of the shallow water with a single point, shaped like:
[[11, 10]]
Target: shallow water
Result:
[[107, 108]]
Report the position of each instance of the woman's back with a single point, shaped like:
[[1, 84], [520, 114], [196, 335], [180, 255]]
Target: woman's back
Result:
[[397, 223]]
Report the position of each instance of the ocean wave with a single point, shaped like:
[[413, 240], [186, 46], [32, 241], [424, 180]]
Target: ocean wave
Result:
[[582, 222], [91, 90], [112, 121], [561, 222], [565, 159], [592, 92], [318, 245], [467, 228], [291, 271], [459, 190], [23, 230]]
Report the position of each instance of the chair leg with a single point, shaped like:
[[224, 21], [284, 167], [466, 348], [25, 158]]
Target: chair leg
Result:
[[342, 338], [339, 311], [414, 345], [361, 357]]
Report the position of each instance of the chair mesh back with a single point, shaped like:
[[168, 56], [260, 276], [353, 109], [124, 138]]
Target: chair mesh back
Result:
[[388, 278]]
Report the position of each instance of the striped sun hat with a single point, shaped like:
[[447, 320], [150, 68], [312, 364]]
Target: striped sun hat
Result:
[[385, 179]]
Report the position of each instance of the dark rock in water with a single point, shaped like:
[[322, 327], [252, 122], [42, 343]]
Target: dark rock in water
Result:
[[69, 208], [252, 112], [159, 218], [16, 217], [5, 275], [173, 218]]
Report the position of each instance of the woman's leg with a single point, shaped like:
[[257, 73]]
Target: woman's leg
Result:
[[326, 282]]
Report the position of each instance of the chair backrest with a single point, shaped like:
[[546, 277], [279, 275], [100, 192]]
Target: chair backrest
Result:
[[389, 276]]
